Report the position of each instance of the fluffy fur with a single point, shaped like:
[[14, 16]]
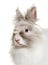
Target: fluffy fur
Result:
[[29, 50]]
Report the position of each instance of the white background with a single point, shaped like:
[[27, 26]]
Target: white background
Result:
[[7, 12]]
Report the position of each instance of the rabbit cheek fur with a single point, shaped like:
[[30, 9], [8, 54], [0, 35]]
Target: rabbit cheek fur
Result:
[[30, 50]]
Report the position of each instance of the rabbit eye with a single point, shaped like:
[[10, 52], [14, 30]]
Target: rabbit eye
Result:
[[26, 30]]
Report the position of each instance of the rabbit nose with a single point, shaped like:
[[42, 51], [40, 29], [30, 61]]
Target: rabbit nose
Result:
[[17, 40]]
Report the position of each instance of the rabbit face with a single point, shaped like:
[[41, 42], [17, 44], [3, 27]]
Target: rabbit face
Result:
[[22, 34]]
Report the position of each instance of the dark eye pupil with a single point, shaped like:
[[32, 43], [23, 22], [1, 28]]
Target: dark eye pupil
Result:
[[26, 30]]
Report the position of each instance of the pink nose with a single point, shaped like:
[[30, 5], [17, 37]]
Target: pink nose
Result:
[[17, 40]]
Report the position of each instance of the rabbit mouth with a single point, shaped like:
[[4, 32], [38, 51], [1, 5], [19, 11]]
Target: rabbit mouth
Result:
[[19, 44]]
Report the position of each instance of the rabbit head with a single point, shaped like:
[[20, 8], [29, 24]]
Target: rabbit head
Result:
[[25, 30]]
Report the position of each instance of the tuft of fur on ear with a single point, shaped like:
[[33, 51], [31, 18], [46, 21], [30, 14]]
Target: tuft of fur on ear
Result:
[[31, 14], [19, 15]]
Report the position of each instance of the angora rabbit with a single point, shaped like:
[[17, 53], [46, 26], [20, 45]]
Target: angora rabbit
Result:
[[28, 40]]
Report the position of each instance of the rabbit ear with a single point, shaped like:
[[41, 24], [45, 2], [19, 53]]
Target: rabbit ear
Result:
[[31, 14], [19, 16]]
